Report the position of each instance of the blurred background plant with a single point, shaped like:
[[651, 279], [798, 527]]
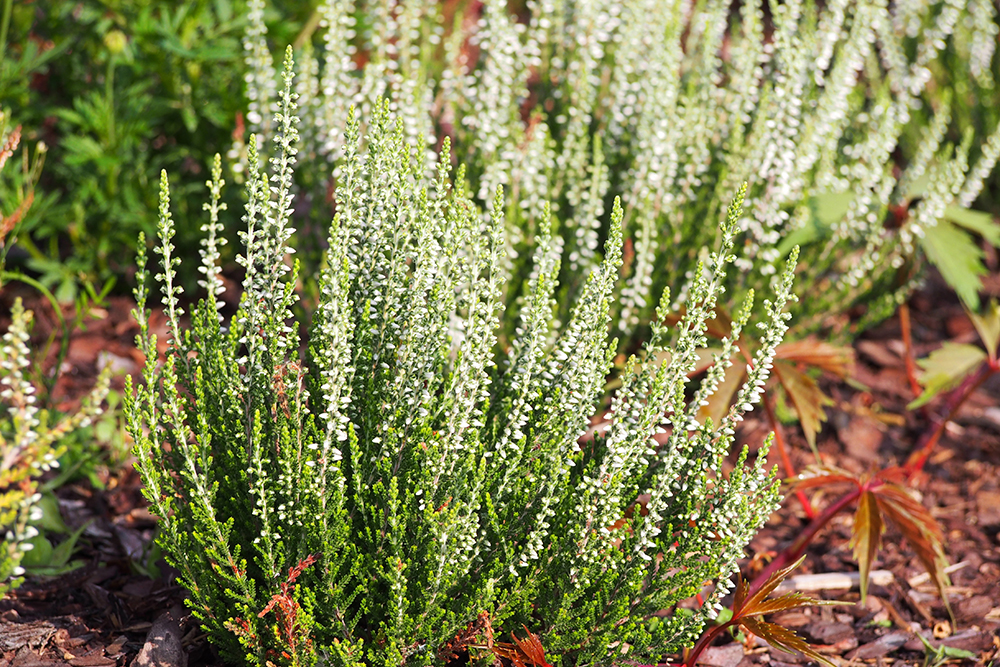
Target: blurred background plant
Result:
[[864, 135], [31, 442], [866, 131], [117, 91], [31, 438]]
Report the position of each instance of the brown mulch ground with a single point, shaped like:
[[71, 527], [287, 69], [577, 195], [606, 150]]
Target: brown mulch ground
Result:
[[103, 613]]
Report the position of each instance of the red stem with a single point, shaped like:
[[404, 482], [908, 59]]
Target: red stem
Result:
[[706, 640], [791, 554], [953, 401], [911, 367], [786, 461], [795, 550]]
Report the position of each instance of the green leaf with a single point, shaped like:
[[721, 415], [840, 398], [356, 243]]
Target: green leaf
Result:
[[817, 476], [917, 188], [866, 536], [800, 236], [988, 326], [47, 571], [958, 258], [39, 553], [806, 396], [830, 207], [827, 209], [45, 560], [945, 368], [60, 555], [51, 520], [955, 652], [935, 655], [975, 221]]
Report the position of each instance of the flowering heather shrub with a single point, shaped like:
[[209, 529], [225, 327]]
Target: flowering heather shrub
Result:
[[671, 105], [373, 499], [29, 446]]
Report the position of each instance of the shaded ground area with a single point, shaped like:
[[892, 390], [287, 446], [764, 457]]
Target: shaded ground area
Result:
[[110, 612]]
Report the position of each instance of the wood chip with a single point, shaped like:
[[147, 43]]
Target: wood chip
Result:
[[828, 633], [989, 508], [973, 609], [15, 636], [826, 581], [861, 438], [884, 645], [729, 655], [95, 658], [163, 644], [924, 577], [28, 658]]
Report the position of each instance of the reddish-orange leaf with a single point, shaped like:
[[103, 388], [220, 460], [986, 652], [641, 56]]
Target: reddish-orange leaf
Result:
[[523, 652], [747, 610], [817, 476], [740, 596], [719, 402], [866, 536], [818, 354], [908, 506], [772, 582], [806, 396], [894, 474], [792, 600], [719, 327], [759, 604], [919, 529], [782, 638]]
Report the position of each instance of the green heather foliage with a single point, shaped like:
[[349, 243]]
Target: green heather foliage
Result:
[[824, 109], [365, 500]]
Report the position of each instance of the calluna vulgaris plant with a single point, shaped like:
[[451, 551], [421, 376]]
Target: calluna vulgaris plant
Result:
[[29, 446], [373, 499], [671, 105], [29, 443]]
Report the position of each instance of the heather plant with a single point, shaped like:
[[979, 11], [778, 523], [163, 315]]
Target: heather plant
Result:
[[29, 447], [825, 111], [30, 437], [398, 488]]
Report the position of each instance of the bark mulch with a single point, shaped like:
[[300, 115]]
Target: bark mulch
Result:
[[111, 611]]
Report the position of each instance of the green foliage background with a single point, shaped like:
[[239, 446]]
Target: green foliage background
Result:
[[119, 90]]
